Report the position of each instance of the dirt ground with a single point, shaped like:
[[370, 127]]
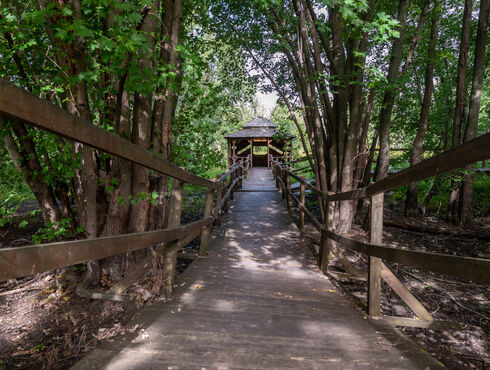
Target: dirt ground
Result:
[[445, 297], [46, 325]]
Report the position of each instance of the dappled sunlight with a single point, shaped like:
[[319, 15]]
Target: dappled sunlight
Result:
[[256, 296]]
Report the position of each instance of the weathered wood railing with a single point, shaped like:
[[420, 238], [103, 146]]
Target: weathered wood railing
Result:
[[474, 269], [17, 104]]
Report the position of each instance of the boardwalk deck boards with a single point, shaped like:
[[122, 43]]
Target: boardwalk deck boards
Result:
[[256, 301]]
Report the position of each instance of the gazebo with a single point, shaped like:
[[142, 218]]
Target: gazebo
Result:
[[258, 141]]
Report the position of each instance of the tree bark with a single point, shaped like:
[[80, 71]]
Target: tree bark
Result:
[[411, 206], [474, 110], [27, 163], [453, 207], [142, 114], [390, 94]]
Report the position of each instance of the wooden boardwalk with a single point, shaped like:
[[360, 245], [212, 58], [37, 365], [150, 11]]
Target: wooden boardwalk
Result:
[[256, 301]]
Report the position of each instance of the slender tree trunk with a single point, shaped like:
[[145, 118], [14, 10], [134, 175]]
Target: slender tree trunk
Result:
[[390, 94], [27, 163], [453, 207], [411, 206], [142, 114], [474, 110]]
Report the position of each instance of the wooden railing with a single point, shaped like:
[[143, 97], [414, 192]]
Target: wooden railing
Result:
[[17, 104], [474, 269]]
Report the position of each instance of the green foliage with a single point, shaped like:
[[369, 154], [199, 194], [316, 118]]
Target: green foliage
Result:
[[54, 230], [481, 195], [215, 83]]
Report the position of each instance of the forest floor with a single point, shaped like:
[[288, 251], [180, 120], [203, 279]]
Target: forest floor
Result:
[[45, 324], [445, 297]]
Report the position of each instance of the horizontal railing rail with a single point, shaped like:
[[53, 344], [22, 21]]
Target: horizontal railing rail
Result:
[[469, 268], [32, 259], [22, 106]]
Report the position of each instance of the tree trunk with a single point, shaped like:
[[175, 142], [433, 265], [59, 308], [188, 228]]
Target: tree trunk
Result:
[[390, 94], [142, 114], [474, 111], [453, 207], [27, 163], [411, 206]]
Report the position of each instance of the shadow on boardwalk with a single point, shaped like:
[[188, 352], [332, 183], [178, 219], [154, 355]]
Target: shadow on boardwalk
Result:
[[257, 301]]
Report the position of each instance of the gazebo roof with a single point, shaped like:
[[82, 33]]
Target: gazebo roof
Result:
[[259, 127], [259, 122]]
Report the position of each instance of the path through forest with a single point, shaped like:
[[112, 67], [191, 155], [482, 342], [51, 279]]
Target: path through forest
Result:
[[256, 301]]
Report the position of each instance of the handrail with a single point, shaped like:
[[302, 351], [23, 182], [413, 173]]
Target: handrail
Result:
[[475, 269], [470, 268], [21, 105], [313, 188], [470, 152], [32, 259], [21, 261], [227, 173]]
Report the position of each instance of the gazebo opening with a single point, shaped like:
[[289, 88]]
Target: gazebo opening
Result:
[[258, 141]]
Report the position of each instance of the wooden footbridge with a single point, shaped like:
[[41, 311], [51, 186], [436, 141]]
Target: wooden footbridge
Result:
[[255, 298]]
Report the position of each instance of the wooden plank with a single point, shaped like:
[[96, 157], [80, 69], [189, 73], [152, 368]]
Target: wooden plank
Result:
[[32, 259], [206, 232], [415, 323], [470, 152], [468, 268], [374, 268], [19, 104], [405, 294]]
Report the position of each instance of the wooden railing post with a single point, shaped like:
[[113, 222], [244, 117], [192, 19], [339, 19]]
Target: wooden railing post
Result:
[[206, 232], [289, 201], [232, 178], [374, 274], [283, 184], [240, 174], [302, 198], [225, 189], [219, 195], [325, 241], [275, 176], [170, 252]]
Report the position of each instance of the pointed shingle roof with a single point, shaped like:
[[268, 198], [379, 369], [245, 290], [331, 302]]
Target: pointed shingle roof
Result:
[[259, 122], [258, 127]]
